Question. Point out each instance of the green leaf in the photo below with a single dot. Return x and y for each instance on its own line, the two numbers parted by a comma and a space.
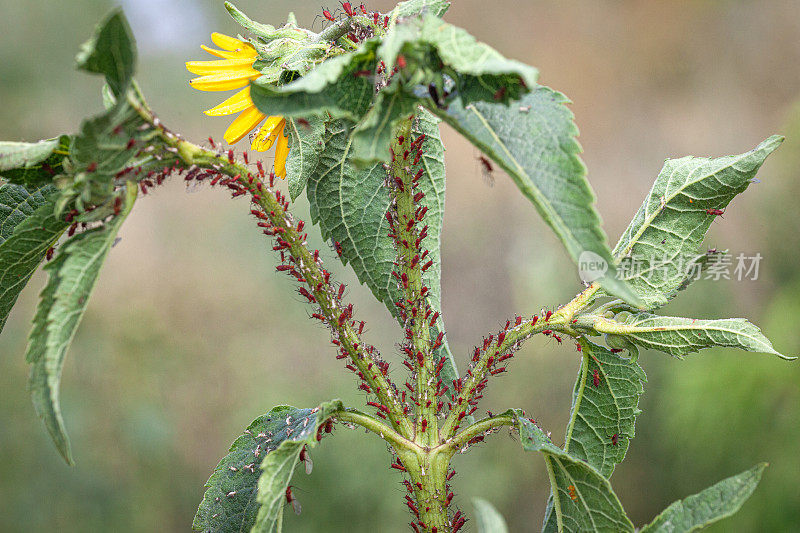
349, 205
33, 164
603, 410
679, 336
258, 468
73, 274
417, 7
111, 52
335, 87
372, 136
488, 518
660, 245
590, 505
534, 142
306, 144
278, 466
431, 46
711, 505
28, 227
261, 30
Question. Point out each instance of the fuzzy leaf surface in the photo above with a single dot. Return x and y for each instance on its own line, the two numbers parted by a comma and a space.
33, 164
603, 410
533, 140
595, 507
711, 505
268, 449
489, 519
335, 87
306, 144
416, 7
111, 52
28, 228
349, 204
679, 336
659, 247
72, 277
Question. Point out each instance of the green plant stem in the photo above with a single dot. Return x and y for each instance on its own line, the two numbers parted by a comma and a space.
477, 429
398, 441
263, 197
410, 269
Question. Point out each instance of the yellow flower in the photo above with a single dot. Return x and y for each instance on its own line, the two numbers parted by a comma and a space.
235, 71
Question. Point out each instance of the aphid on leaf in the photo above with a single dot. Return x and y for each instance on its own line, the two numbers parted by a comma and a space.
572, 494
50, 252
348, 9
615, 439
499, 94
305, 457
433, 91
715, 212
291, 499
596, 378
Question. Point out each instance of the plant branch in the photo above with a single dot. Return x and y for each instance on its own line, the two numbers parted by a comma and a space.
272, 209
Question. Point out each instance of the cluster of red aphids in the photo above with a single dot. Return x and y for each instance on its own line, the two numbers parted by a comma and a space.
408, 231
359, 33
457, 521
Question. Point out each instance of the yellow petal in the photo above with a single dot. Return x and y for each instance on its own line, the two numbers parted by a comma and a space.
225, 65
224, 81
238, 102
267, 134
248, 51
281, 152
227, 43
244, 124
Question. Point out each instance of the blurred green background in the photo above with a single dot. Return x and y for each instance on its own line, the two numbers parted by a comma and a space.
190, 335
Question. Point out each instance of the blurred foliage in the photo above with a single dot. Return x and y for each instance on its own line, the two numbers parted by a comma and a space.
187, 308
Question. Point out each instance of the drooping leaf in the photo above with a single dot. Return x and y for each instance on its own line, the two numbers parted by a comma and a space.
350, 204
711, 505
234, 494
416, 7
278, 466
488, 518
28, 228
534, 142
306, 143
582, 499
480, 73
373, 135
33, 164
73, 274
603, 410
338, 86
660, 245
111, 52
679, 336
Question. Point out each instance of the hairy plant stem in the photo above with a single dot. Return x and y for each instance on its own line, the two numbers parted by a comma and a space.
264, 198
410, 269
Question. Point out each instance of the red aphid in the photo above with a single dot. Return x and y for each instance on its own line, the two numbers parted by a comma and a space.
50, 252
291, 499
715, 212
595, 378
401, 61
327, 15
348, 9
615, 439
